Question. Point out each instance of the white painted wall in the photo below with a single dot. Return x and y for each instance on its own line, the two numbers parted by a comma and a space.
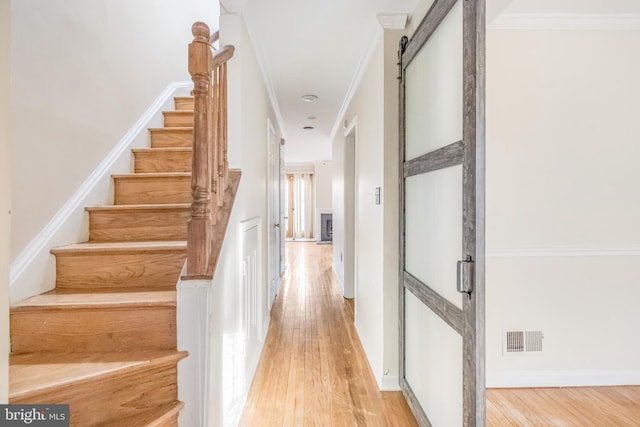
368, 106
562, 206
83, 73
390, 197
5, 193
376, 256
323, 194
233, 357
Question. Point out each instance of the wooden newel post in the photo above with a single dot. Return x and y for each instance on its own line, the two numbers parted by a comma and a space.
199, 225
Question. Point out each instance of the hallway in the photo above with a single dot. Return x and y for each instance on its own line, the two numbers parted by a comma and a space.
313, 370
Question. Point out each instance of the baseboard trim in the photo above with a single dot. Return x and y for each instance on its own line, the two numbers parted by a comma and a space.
41, 241
338, 278
389, 383
523, 379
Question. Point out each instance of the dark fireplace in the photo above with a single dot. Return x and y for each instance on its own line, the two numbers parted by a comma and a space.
326, 227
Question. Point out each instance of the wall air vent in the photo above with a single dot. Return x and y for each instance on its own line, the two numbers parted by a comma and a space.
522, 341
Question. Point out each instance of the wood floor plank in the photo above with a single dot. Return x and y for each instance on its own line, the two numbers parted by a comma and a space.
313, 371
564, 407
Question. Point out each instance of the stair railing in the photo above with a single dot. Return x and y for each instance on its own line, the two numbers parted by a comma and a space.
210, 166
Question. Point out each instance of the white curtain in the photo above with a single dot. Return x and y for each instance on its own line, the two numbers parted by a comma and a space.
302, 206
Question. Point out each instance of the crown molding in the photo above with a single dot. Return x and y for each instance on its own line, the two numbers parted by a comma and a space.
266, 78
233, 6
365, 59
393, 21
570, 22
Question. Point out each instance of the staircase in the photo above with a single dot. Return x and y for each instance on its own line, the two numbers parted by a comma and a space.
104, 340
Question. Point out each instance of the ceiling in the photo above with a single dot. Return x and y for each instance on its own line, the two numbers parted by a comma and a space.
316, 47
313, 47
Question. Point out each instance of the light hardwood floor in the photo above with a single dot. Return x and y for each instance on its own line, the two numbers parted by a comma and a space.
313, 371
560, 407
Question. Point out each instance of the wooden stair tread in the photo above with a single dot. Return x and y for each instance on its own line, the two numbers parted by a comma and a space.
155, 417
116, 247
178, 112
123, 300
114, 290
163, 150
133, 208
152, 175
172, 129
36, 372
184, 98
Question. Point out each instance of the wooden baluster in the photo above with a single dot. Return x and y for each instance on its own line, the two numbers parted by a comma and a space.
221, 125
218, 189
199, 225
219, 140
225, 140
213, 152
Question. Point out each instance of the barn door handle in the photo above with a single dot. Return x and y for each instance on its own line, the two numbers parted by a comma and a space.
464, 276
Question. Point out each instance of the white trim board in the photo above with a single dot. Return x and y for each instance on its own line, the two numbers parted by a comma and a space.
582, 378
338, 278
565, 22
390, 383
38, 248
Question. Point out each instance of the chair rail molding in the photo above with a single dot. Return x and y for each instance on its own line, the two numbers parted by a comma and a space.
561, 252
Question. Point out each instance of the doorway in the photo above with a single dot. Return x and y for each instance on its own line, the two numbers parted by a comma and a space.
274, 209
350, 193
300, 206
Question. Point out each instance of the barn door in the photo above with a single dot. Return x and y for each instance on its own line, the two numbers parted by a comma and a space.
442, 217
